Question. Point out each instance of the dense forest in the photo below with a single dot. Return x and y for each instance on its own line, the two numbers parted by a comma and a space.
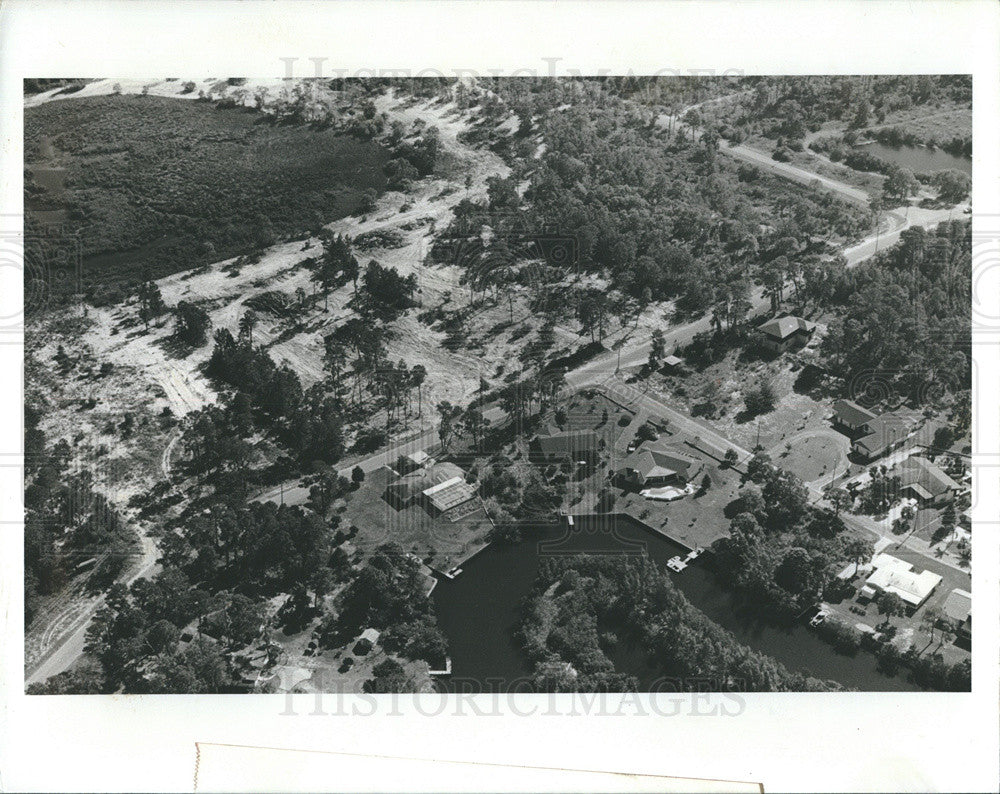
586, 604
904, 318
165, 185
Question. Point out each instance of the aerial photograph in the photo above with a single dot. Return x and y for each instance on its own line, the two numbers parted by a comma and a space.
497, 384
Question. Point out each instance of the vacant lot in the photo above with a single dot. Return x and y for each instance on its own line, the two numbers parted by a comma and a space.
154, 182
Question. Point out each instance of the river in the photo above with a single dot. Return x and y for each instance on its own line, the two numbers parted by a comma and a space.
480, 611
918, 159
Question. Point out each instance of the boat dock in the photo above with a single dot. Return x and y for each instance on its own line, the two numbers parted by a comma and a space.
678, 563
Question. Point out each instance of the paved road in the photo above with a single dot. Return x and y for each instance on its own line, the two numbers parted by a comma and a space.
794, 173
70, 646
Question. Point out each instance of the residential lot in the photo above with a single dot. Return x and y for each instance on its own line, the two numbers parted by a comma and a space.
435, 539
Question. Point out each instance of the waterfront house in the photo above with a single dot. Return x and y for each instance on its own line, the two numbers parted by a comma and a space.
654, 465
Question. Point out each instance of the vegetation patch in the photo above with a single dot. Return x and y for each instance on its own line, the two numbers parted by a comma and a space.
166, 185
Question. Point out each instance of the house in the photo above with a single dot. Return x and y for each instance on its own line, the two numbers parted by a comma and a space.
576, 446
448, 496
784, 333
654, 465
957, 609
851, 416
885, 433
892, 575
366, 641
926, 482
413, 461
671, 363
423, 487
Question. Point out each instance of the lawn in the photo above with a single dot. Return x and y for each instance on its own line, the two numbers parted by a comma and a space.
813, 454
165, 184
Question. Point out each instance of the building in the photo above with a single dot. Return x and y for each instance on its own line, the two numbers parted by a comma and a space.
957, 610
885, 433
892, 575
366, 641
671, 363
654, 465
576, 446
448, 496
440, 489
926, 482
784, 333
413, 461
851, 416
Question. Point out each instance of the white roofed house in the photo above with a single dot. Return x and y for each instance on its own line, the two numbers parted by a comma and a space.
448, 495
784, 333
892, 575
441, 489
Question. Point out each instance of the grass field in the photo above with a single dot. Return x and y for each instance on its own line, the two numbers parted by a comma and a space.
159, 183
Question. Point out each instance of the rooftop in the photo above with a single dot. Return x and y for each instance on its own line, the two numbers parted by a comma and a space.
449, 494
652, 460
885, 431
925, 478
568, 442
850, 412
958, 605
892, 575
783, 327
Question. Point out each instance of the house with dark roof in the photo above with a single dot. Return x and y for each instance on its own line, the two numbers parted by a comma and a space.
784, 333
575, 446
885, 433
851, 416
653, 465
926, 482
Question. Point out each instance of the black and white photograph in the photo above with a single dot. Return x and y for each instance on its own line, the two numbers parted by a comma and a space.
575, 385
577, 396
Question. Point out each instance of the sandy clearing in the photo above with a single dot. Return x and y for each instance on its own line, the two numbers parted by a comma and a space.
116, 335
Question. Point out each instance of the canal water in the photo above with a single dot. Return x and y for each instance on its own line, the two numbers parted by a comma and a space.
917, 158
480, 611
